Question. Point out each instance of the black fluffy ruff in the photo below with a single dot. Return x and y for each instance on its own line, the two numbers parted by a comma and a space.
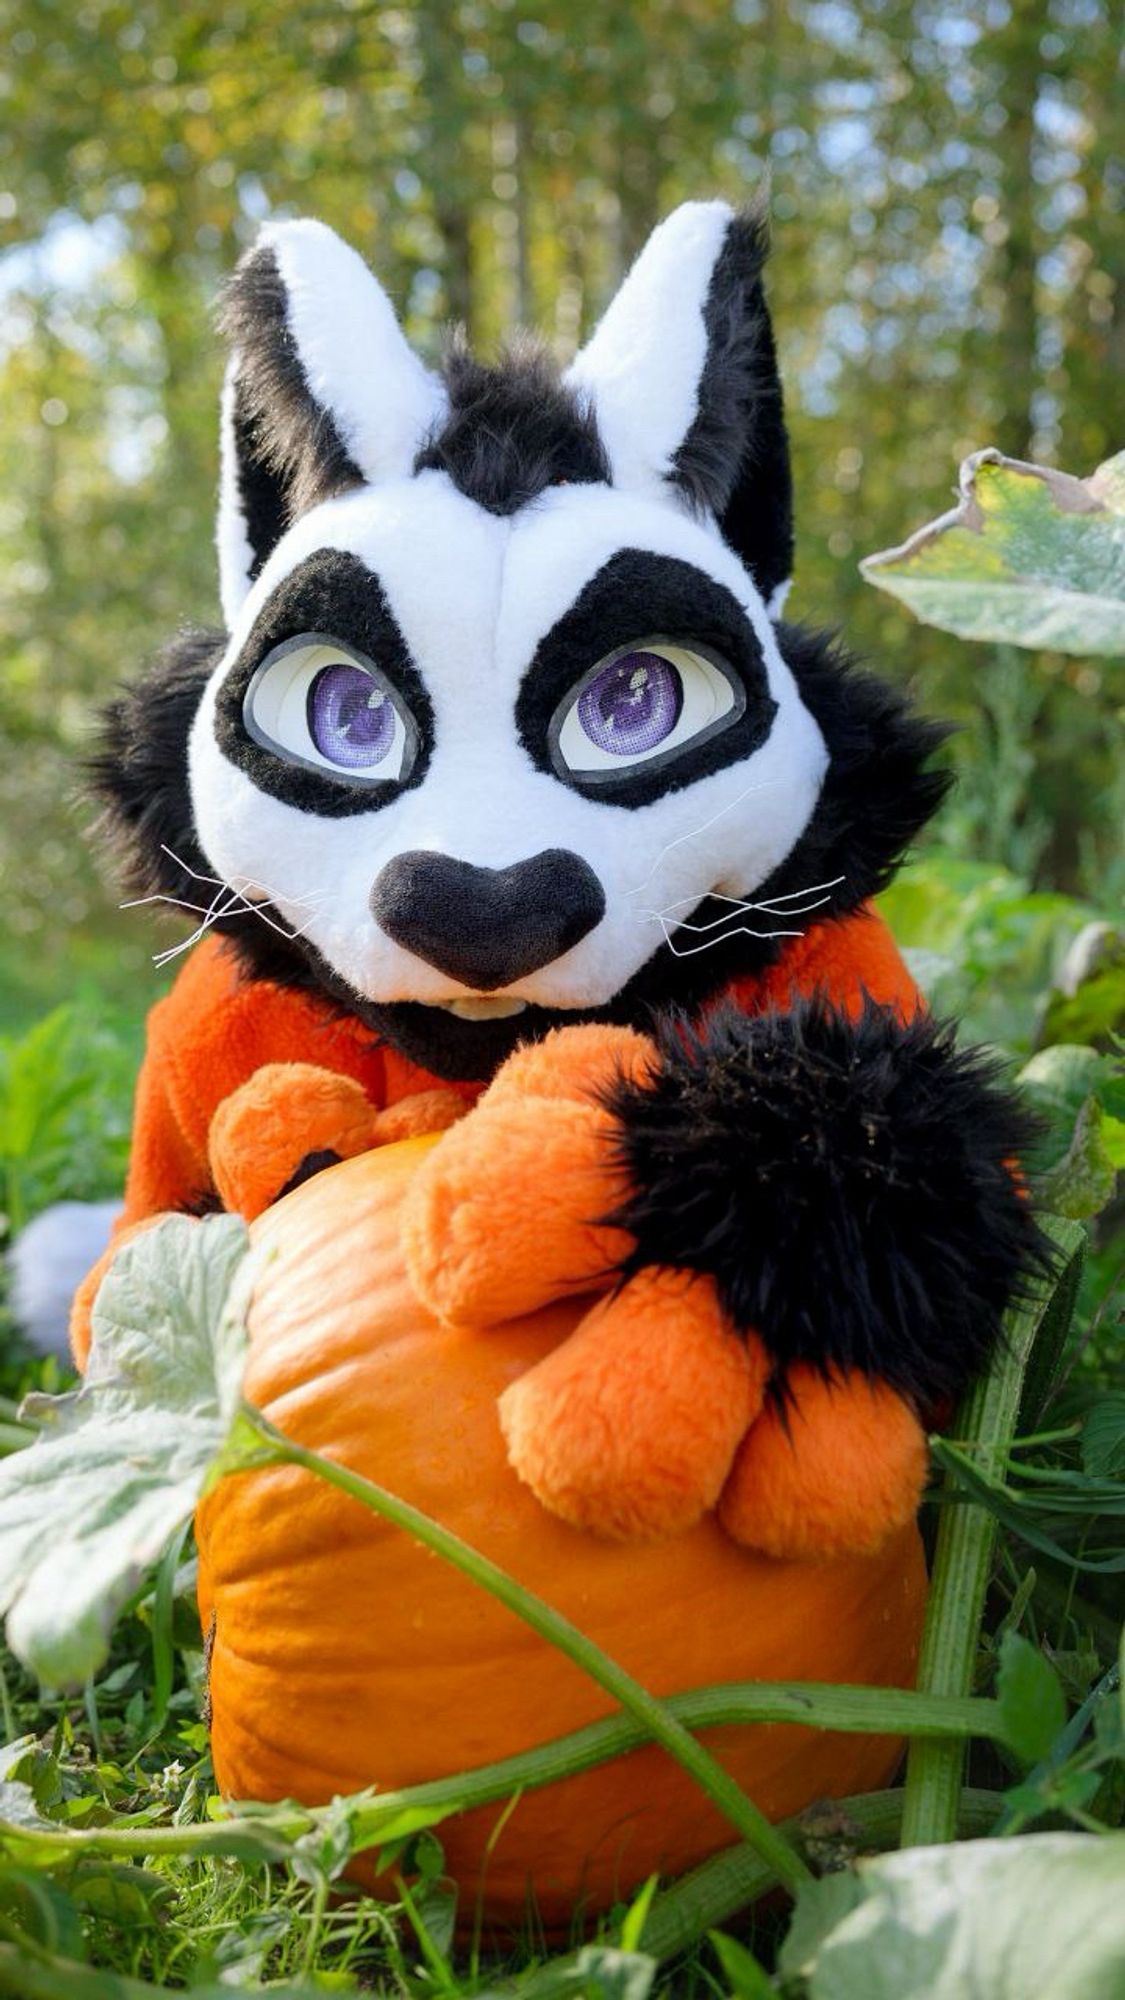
139, 771
846, 1185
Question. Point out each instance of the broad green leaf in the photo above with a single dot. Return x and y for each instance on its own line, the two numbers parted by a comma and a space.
821, 1905
998, 1919
1059, 1082
1103, 1436
1088, 1002
1029, 557
120, 1462
1032, 1705
41, 1909
1082, 1183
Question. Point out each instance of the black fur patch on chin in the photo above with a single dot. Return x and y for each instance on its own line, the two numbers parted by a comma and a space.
512, 430
734, 460
139, 770
846, 1185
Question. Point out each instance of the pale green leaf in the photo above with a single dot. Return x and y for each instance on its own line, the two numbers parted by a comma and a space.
997, 1919
1029, 557
120, 1462
1103, 1436
821, 1905
1082, 1183
602, 1972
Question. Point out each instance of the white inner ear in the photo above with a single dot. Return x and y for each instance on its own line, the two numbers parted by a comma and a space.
356, 360
642, 366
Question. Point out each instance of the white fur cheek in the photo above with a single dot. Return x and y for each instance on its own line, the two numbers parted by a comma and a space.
724, 835
312, 870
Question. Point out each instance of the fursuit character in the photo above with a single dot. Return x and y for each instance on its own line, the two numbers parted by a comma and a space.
514, 810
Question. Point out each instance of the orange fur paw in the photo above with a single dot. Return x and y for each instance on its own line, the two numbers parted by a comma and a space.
837, 1474
423, 1111
629, 1428
263, 1131
502, 1217
573, 1063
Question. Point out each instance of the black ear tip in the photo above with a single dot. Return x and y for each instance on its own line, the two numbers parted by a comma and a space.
751, 225
252, 296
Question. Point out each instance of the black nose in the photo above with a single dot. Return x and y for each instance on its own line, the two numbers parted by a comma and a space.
487, 927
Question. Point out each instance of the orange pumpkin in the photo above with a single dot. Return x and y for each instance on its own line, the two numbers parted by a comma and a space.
345, 1655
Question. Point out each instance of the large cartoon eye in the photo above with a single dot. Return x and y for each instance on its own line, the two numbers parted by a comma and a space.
318, 703
644, 701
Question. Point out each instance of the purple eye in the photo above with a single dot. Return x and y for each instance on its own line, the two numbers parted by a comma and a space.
632, 704
351, 718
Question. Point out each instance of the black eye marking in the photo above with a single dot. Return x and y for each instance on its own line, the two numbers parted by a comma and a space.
330, 593
676, 606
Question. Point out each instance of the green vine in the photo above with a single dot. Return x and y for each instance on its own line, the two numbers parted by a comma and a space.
966, 1536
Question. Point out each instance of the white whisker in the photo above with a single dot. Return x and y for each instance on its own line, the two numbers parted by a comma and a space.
177, 902
229, 900
213, 880
815, 897
750, 792
742, 930
241, 883
211, 916
814, 889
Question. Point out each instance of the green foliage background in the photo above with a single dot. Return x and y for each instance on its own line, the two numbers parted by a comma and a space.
948, 186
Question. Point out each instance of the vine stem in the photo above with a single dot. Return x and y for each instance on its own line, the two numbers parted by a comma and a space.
809, 1704
966, 1536
653, 1716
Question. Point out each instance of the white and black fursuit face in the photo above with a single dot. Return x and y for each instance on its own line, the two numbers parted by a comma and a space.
507, 719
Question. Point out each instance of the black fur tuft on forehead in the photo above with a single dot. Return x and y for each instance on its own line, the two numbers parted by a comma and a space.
290, 453
512, 430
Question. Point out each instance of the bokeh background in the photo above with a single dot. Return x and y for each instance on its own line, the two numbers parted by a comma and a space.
948, 193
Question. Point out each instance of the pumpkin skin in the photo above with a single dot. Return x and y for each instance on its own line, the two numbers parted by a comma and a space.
345, 1655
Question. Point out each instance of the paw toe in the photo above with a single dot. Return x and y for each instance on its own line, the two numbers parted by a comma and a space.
629, 1428
838, 1471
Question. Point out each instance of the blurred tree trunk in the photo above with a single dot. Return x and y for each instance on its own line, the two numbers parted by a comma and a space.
446, 163
1093, 362
1017, 58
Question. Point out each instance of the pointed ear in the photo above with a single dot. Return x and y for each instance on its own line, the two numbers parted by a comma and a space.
322, 393
682, 376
